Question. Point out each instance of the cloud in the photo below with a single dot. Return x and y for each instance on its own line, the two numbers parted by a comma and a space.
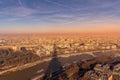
20, 2
59, 4
60, 12
17, 12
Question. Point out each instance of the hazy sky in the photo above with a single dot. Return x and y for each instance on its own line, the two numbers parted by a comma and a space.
59, 15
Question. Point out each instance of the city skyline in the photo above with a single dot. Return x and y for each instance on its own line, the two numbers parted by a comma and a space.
59, 16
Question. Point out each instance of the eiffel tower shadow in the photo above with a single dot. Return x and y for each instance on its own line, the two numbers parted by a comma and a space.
54, 68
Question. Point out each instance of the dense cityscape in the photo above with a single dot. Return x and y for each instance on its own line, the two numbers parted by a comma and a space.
59, 39
101, 55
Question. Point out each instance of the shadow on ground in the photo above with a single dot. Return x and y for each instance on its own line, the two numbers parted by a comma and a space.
54, 67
